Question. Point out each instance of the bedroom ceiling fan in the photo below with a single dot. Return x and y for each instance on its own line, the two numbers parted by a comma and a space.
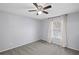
40, 9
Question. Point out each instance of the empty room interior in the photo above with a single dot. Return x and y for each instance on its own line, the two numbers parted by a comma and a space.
39, 28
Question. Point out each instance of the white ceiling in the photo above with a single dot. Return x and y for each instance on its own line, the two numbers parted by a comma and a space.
56, 10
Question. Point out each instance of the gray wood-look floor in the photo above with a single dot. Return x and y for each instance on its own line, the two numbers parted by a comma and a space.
40, 48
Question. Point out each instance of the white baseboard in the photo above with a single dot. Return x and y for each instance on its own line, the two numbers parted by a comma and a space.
17, 46
73, 48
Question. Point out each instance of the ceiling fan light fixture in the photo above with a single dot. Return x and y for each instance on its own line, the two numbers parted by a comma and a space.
40, 9
39, 12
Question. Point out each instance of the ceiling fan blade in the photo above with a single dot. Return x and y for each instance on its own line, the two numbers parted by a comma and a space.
36, 5
31, 10
47, 7
45, 12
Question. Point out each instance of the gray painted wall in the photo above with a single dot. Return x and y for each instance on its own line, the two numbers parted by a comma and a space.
17, 30
44, 30
73, 31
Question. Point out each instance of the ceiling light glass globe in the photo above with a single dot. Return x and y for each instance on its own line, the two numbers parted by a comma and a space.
39, 12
